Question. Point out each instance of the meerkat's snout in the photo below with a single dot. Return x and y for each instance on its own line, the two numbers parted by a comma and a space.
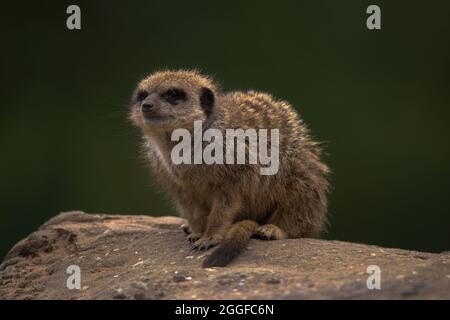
151, 110
147, 108
148, 105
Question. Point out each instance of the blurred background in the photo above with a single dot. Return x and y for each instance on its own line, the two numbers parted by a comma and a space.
379, 99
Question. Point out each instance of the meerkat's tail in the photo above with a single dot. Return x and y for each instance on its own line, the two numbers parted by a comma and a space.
235, 241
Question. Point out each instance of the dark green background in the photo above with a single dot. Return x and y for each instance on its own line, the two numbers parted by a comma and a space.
379, 99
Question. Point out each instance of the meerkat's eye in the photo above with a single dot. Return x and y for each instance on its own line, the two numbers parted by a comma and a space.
141, 95
174, 95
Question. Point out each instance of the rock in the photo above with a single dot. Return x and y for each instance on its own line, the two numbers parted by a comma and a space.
142, 257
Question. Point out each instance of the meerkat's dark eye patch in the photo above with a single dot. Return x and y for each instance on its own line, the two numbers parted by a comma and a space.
207, 100
174, 95
141, 95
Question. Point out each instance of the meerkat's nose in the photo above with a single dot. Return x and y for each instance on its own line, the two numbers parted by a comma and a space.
147, 107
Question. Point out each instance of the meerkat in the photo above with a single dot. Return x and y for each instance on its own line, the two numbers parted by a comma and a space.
227, 205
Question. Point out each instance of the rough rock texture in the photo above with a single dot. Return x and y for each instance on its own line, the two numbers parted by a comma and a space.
142, 257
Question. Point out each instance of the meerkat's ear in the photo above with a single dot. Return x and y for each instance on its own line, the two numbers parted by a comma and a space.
206, 100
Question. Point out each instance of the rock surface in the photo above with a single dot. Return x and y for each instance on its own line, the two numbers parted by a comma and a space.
142, 257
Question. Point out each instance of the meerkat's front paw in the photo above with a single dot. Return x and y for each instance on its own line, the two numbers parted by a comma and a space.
193, 237
186, 228
204, 243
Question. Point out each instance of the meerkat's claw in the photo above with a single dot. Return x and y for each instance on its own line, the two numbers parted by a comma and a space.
192, 238
204, 244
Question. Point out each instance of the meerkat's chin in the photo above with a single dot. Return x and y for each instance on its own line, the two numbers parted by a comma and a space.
156, 120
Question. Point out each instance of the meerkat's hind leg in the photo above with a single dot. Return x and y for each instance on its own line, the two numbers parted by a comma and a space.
269, 232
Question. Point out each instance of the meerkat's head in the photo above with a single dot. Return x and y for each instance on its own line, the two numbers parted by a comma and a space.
172, 99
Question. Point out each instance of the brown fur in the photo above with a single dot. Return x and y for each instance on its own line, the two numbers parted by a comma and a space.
229, 203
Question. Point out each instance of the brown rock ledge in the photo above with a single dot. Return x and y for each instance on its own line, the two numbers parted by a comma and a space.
143, 257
